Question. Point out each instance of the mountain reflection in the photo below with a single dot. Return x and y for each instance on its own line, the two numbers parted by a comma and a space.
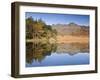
36, 52
73, 48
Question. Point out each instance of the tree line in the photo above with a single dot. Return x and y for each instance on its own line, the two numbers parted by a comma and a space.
39, 29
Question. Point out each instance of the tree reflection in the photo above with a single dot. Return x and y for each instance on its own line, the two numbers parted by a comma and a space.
36, 52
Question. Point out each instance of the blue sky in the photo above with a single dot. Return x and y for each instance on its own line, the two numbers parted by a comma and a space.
51, 18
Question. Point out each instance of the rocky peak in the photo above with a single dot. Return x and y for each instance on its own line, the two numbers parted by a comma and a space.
72, 24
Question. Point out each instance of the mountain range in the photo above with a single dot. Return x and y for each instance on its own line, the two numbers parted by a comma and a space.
71, 29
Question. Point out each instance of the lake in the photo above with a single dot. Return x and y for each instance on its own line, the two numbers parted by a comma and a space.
47, 54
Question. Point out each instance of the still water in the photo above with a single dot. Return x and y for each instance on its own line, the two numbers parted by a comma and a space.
38, 54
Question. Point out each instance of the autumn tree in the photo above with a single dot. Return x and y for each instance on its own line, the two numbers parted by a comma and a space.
38, 29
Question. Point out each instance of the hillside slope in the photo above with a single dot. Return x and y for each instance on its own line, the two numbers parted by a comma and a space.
71, 29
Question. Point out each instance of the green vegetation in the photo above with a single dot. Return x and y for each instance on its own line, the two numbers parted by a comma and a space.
37, 29
40, 40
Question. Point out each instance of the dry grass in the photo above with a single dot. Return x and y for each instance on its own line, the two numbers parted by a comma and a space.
72, 39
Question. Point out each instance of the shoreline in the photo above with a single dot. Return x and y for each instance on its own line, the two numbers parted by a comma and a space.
72, 39
62, 39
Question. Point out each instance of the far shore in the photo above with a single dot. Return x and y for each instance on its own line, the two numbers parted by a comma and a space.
72, 39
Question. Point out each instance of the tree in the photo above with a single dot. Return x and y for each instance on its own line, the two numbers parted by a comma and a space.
38, 29
29, 29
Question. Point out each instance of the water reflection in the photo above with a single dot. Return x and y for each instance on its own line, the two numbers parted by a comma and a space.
37, 53
73, 48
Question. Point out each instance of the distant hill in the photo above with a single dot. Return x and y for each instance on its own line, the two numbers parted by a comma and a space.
71, 29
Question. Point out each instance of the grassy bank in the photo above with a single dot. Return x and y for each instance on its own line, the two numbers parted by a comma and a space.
72, 39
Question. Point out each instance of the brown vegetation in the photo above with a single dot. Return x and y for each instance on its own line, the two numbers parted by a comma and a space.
72, 39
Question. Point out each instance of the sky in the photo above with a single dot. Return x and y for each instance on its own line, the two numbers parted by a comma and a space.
53, 18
